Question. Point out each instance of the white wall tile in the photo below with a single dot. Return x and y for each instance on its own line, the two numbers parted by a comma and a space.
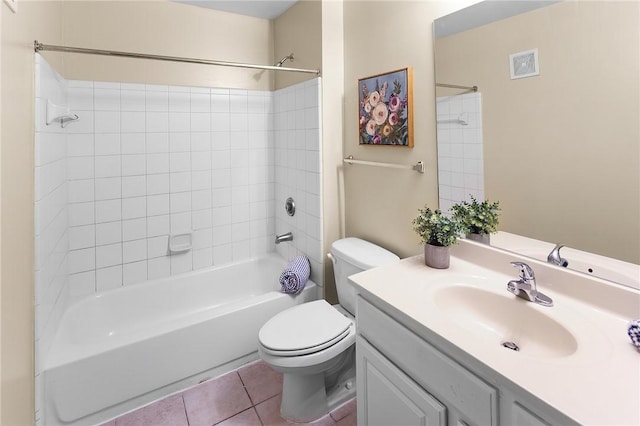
82, 260
158, 225
108, 233
132, 100
134, 229
134, 207
134, 251
107, 144
159, 268
108, 211
157, 143
81, 214
134, 186
109, 255
135, 272
109, 278
107, 121
157, 163
133, 121
133, 143
80, 145
157, 122
80, 190
157, 246
158, 184
108, 166
80, 168
108, 188
158, 205
82, 237
181, 263
134, 164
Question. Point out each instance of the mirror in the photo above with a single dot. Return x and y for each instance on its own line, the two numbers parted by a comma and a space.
553, 130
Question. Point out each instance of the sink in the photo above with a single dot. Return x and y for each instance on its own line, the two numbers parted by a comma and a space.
506, 319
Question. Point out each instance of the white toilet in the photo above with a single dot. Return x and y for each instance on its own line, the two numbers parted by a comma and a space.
312, 344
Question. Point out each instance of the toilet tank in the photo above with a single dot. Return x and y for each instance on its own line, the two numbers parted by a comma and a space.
353, 255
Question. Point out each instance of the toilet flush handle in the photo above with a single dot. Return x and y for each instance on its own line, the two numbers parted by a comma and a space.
333, 259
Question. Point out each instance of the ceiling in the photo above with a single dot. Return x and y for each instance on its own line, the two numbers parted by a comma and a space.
266, 9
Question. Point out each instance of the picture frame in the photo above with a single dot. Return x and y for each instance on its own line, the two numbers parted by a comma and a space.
524, 64
385, 109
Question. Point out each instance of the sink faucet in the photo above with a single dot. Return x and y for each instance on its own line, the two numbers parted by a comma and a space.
284, 237
525, 287
555, 258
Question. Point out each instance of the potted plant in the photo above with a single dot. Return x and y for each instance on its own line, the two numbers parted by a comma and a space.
438, 232
478, 220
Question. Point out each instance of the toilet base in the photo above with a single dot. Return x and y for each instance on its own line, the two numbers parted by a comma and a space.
303, 403
306, 398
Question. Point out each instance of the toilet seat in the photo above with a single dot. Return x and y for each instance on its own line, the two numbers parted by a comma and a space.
304, 329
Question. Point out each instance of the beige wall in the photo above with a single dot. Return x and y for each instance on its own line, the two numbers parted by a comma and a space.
299, 31
332, 116
381, 36
167, 28
34, 20
564, 167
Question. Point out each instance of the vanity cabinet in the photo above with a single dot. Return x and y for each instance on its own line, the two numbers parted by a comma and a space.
403, 379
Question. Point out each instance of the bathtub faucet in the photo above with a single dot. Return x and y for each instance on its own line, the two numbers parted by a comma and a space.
284, 237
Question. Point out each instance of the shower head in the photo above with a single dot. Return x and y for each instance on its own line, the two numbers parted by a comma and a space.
283, 60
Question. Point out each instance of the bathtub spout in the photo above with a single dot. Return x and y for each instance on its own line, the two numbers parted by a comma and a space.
284, 237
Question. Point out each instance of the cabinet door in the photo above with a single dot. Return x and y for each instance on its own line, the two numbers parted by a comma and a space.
386, 396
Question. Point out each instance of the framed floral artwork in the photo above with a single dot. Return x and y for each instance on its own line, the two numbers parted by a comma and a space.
385, 109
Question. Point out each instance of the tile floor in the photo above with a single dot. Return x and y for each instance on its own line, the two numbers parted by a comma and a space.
247, 396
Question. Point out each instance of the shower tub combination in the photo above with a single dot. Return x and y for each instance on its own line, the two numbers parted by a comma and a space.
122, 349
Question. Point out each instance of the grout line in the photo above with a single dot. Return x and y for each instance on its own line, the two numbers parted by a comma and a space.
184, 407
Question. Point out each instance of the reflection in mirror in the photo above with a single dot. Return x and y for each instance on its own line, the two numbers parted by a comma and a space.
560, 148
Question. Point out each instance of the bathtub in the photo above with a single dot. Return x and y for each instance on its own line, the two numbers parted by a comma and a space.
121, 349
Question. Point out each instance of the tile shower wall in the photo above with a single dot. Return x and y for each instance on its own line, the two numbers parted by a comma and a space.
50, 218
297, 171
460, 159
154, 161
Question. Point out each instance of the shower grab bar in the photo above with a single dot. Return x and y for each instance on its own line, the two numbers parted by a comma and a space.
418, 167
39, 47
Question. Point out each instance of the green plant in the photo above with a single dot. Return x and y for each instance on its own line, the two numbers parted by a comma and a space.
435, 228
477, 218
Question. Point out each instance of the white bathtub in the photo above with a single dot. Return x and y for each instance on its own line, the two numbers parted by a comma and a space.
124, 348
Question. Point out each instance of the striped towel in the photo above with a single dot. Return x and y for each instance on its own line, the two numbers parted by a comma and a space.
634, 332
295, 275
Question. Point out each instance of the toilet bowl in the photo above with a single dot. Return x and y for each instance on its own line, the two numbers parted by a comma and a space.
313, 344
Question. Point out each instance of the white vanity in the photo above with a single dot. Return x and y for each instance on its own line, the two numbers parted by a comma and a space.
430, 345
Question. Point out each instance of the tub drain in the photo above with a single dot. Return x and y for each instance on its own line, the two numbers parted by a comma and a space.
511, 345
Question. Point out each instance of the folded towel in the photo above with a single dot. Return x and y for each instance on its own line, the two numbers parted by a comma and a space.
634, 332
295, 275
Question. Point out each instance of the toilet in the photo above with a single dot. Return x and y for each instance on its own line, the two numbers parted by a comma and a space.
313, 344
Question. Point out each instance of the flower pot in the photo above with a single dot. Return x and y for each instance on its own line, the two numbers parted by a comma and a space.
481, 238
436, 256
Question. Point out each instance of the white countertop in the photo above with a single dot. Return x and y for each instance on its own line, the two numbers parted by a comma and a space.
597, 384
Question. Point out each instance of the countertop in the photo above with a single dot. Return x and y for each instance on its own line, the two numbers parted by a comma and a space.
597, 384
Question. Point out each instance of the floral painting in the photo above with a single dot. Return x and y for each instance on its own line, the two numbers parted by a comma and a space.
385, 109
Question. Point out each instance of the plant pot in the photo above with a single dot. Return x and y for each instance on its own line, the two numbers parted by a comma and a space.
481, 238
436, 256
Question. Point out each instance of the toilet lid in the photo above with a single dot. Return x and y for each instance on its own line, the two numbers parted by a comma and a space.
305, 328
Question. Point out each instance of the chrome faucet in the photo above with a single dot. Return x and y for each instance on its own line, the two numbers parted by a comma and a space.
525, 287
284, 237
555, 258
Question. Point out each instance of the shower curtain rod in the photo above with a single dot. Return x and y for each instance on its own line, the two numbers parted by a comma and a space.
456, 86
39, 47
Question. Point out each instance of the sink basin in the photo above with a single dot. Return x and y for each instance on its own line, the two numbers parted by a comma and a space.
506, 318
